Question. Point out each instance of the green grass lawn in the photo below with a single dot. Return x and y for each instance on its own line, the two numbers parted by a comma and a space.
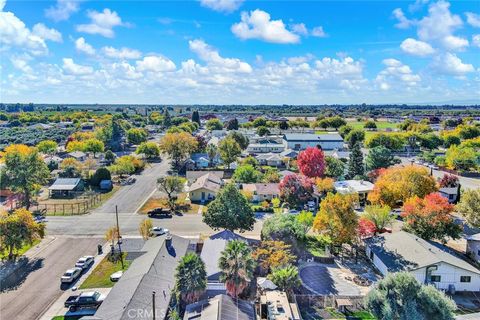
21, 251
363, 315
381, 125
314, 247
100, 277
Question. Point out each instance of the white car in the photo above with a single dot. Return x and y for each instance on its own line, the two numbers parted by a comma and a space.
114, 277
433, 166
158, 231
84, 262
71, 275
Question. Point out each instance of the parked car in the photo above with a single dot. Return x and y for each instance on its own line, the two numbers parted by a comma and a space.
114, 277
71, 275
84, 262
158, 231
131, 180
433, 166
91, 299
160, 212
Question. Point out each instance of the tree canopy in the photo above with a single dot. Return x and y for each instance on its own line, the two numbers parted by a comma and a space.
311, 162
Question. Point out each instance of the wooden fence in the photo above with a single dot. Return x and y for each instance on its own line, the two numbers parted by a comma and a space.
77, 206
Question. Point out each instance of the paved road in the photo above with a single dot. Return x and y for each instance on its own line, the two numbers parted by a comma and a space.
36, 286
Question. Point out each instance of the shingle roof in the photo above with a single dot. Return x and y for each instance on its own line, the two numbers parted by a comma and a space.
313, 137
220, 307
262, 188
208, 181
405, 251
153, 271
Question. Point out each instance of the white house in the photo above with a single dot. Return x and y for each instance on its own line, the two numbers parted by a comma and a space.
360, 187
270, 159
301, 141
254, 148
428, 263
473, 246
451, 194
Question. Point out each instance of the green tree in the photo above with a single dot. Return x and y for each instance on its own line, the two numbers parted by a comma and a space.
24, 171
401, 296
392, 141
214, 124
196, 117
286, 278
461, 158
283, 227
18, 229
305, 219
190, 278
99, 175
370, 125
178, 146
239, 138
469, 207
355, 162
136, 135
232, 124
229, 150
94, 146
110, 156
230, 210
212, 153
379, 215
172, 186
246, 174
430, 141
259, 122
263, 131
380, 157
149, 149
355, 136
334, 167
47, 146
237, 265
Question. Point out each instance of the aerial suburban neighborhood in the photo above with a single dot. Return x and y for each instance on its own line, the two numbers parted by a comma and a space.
239, 160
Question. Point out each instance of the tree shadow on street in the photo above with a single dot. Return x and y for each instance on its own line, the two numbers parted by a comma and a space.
14, 280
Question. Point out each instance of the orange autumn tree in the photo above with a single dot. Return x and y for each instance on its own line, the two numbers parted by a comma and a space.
396, 185
272, 254
337, 218
430, 218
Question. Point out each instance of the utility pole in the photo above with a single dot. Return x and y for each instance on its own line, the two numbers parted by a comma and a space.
153, 305
119, 239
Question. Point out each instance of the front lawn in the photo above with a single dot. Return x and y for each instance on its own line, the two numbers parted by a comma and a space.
362, 315
21, 251
315, 246
100, 277
154, 203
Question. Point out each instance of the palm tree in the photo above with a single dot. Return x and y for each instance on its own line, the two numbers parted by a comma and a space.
190, 278
212, 153
286, 278
237, 267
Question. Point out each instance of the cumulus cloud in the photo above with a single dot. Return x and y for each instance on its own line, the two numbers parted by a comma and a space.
450, 64
403, 22
396, 74
155, 64
62, 10
122, 53
212, 57
21, 63
101, 23
70, 67
222, 5
258, 25
45, 33
300, 28
476, 40
454, 43
82, 46
318, 32
473, 19
416, 47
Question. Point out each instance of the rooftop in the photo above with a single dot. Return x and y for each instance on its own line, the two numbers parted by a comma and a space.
220, 307
65, 184
351, 186
208, 181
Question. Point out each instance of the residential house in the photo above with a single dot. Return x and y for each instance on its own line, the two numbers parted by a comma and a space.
66, 187
429, 263
289, 153
262, 191
270, 159
205, 188
473, 246
255, 148
154, 270
360, 187
274, 305
301, 141
77, 155
193, 175
220, 307
202, 160
451, 194
211, 252
285, 173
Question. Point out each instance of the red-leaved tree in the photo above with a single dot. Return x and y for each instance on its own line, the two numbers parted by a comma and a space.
448, 181
366, 228
295, 190
311, 162
430, 217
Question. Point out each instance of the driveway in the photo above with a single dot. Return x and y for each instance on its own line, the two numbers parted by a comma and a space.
32, 289
327, 279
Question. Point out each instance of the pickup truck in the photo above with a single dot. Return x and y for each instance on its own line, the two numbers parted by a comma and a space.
91, 299
160, 212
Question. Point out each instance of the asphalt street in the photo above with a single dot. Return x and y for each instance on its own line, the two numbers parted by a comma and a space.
33, 288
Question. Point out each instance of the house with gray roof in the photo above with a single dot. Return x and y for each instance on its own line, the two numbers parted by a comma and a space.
205, 188
220, 307
66, 187
301, 141
428, 262
154, 270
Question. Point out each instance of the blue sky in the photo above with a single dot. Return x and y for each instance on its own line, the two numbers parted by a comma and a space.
239, 51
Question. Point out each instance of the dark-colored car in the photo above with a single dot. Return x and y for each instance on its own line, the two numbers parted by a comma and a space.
91, 299
160, 212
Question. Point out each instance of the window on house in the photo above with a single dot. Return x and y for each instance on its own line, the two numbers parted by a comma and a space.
465, 279
435, 278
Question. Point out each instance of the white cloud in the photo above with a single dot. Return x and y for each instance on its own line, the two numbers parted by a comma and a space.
222, 5
45, 33
397, 75
155, 64
403, 22
82, 46
257, 25
75, 69
450, 64
476, 40
454, 43
101, 23
416, 47
473, 19
212, 57
14, 33
318, 32
300, 28
21, 64
62, 10
122, 53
